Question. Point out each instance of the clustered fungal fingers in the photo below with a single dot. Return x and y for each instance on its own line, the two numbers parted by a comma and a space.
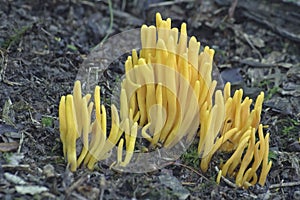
86, 120
72, 133
77, 99
246, 160
100, 144
240, 139
130, 144
120, 152
205, 121
63, 123
207, 158
167, 96
266, 166
164, 58
114, 135
233, 161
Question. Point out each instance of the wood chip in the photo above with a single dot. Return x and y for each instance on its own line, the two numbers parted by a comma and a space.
8, 146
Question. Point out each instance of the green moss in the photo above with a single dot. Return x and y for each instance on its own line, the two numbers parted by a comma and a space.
290, 127
47, 121
15, 37
191, 157
273, 156
271, 92
72, 47
271, 89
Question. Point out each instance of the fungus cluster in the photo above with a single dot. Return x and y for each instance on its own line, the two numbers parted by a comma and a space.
167, 83
167, 96
236, 131
75, 119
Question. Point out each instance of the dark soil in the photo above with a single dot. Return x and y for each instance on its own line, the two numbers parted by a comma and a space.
42, 45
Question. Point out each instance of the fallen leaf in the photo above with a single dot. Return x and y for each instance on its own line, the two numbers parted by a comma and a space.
14, 159
31, 189
258, 42
14, 179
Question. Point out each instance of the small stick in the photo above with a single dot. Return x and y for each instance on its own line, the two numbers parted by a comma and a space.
24, 167
289, 184
226, 180
76, 184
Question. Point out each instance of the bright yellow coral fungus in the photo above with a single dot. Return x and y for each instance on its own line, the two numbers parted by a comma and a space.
237, 134
74, 123
167, 96
230, 117
98, 147
167, 82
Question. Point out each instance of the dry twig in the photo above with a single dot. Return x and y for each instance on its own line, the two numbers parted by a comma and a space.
280, 185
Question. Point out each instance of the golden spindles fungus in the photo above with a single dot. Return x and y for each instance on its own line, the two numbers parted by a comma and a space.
166, 95
99, 146
185, 76
240, 125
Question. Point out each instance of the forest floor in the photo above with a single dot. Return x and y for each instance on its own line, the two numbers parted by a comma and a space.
42, 47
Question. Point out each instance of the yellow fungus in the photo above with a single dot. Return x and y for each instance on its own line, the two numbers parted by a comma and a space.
166, 95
